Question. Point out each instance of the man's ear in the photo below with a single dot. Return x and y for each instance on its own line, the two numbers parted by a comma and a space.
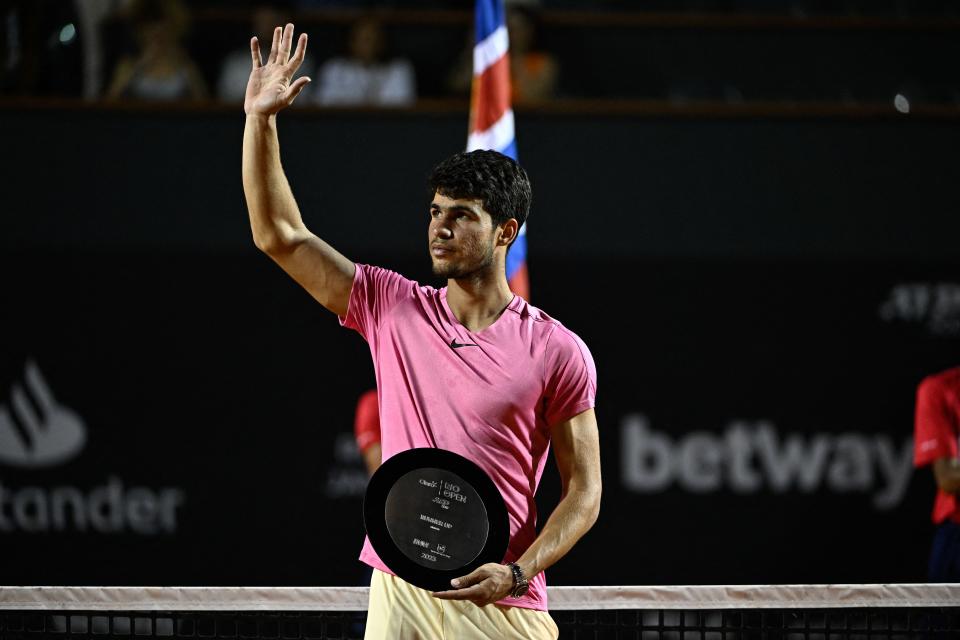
508, 232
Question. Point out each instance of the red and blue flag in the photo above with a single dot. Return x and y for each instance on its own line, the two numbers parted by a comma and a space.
491, 114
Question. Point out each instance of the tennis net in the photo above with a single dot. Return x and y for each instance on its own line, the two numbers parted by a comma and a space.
773, 612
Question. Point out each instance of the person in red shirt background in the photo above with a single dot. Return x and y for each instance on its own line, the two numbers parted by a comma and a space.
937, 443
366, 429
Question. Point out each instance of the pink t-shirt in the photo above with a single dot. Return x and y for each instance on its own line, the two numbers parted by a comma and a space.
492, 400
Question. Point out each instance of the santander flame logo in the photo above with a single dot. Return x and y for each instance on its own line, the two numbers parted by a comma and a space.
35, 430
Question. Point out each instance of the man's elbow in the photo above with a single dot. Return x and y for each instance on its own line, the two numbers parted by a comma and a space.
590, 504
275, 243
270, 244
595, 512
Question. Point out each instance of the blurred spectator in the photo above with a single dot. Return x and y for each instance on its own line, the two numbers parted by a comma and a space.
366, 429
325, 4
162, 69
534, 73
235, 69
92, 15
936, 438
365, 77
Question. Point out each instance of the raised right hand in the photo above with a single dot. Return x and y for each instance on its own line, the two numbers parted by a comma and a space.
269, 89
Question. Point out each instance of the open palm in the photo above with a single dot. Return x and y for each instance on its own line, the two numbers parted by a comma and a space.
269, 88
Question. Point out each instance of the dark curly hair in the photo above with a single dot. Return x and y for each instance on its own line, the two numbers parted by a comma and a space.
498, 182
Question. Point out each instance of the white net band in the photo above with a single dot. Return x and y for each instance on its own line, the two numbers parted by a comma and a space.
560, 598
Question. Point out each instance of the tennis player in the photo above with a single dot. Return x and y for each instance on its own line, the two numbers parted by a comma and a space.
470, 368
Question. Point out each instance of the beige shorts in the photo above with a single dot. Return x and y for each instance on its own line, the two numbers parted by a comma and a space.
401, 611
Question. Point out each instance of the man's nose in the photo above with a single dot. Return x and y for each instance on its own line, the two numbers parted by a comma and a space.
441, 231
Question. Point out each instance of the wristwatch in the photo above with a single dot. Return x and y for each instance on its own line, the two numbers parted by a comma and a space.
520, 584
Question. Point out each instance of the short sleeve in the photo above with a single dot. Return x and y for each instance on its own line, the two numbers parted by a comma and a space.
374, 293
570, 377
935, 427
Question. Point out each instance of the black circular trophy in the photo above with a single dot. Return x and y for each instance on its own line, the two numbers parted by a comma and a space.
432, 515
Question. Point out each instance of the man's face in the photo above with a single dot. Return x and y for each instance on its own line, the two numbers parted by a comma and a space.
461, 237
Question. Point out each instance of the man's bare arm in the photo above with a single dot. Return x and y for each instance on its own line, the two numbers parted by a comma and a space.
275, 220
576, 447
947, 473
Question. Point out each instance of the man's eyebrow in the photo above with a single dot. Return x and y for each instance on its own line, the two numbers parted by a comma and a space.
456, 207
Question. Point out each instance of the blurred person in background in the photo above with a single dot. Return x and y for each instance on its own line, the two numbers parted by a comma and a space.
162, 70
333, 4
92, 17
937, 443
235, 68
366, 76
534, 72
366, 428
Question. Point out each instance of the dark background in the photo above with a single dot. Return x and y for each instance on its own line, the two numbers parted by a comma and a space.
798, 271
748, 210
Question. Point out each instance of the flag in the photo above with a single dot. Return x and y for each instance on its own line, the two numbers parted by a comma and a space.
491, 115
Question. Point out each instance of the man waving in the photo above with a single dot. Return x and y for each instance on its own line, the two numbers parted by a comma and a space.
470, 368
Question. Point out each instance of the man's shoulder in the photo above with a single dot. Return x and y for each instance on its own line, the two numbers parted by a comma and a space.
943, 382
383, 276
525, 310
552, 328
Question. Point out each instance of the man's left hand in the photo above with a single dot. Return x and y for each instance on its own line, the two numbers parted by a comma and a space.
487, 584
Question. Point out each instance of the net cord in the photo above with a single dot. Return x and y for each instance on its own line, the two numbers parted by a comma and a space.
821, 596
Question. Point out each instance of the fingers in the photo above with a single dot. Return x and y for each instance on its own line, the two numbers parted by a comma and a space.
301, 51
294, 89
280, 49
472, 578
285, 44
255, 52
468, 587
275, 47
475, 593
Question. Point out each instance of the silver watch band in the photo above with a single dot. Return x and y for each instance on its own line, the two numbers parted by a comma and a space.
520, 584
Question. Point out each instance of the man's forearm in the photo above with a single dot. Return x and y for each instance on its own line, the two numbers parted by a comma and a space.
575, 514
274, 216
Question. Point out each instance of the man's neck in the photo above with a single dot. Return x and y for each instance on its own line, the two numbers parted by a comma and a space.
478, 304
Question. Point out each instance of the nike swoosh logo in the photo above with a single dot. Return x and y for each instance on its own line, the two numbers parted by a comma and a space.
456, 345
